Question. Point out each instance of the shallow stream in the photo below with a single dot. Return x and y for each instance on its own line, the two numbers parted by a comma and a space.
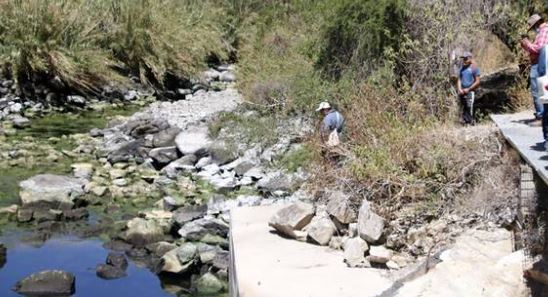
65, 252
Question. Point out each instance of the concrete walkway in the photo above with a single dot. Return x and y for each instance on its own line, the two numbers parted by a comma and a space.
527, 140
267, 265
480, 264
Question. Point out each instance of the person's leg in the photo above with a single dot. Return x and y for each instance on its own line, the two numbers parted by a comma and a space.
545, 127
467, 109
535, 91
471, 96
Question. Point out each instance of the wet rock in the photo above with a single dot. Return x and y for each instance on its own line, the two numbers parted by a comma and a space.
3, 254
320, 230
47, 283
76, 214
118, 246
186, 214
137, 253
117, 260
291, 218
164, 155
54, 190
159, 249
141, 232
180, 259
193, 141
106, 271
379, 254
44, 215
339, 207
24, 215
354, 252
370, 225
195, 230
208, 284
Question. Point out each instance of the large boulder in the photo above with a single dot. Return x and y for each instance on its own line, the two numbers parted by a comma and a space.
106, 271
339, 207
292, 218
141, 232
47, 283
179, 260
164, 155
321, 229
379, 254
56, 191
370, 224
196, 230
186, 214
166, 137
193, 141
354, 252
139, 128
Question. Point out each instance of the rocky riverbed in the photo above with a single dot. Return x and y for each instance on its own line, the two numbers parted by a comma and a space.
155, 187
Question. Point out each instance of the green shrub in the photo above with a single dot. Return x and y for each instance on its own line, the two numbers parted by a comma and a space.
89, 43
358, 33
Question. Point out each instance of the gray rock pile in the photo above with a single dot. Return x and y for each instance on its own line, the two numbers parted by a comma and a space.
336, 225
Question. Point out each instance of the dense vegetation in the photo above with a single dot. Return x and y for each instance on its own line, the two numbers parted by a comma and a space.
384, 63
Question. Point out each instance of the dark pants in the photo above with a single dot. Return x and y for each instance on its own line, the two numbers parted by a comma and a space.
467, 102
545, 123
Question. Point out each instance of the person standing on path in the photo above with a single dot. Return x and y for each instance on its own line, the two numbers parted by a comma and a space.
536, 23
468, 81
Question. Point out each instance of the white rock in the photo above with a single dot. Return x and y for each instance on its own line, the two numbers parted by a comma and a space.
370, 225
193, 141
354, 252
293, 217
379, 254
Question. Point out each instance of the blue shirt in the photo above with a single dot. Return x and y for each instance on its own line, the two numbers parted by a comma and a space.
333, 120
468, 75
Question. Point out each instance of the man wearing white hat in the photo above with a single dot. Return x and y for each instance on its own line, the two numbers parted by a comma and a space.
332, 124
536, 23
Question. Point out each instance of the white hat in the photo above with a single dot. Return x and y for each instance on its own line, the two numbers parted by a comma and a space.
323, 105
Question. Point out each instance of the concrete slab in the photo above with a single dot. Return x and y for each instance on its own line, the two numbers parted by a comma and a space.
480, 264
527, 140
267, 265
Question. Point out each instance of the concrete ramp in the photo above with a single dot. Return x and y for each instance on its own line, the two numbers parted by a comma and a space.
267, 265
527, 140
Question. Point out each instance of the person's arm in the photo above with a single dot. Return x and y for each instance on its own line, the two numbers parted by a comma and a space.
540, 40
459, 89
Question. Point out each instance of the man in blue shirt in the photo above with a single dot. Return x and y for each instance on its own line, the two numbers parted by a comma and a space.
332, 120
469, 80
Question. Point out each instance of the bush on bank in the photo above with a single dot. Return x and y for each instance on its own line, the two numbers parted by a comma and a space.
89, 43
